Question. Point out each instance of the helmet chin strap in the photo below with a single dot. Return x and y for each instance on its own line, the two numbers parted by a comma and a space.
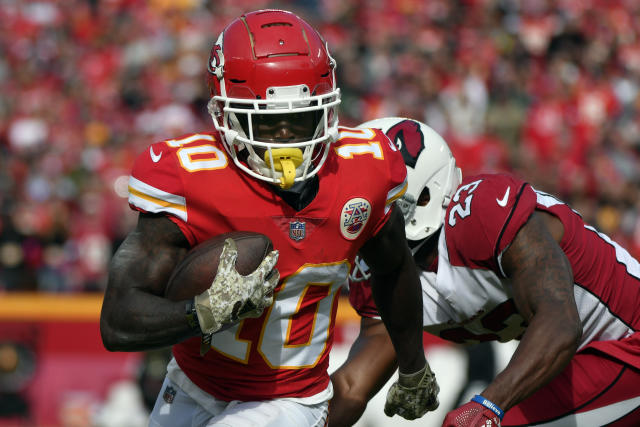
286, 161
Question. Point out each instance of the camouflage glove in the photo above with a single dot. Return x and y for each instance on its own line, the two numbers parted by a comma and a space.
232, 297
413, 395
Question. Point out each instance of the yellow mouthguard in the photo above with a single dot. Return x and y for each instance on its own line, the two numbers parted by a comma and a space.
285, 160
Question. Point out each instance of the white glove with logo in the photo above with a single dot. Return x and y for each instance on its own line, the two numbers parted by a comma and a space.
413, 395
232, 297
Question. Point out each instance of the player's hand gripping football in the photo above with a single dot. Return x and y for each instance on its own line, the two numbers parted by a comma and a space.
413, 395
233, 297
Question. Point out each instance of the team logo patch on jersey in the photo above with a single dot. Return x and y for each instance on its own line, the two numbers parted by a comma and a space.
169, 394
355, 214
297, 230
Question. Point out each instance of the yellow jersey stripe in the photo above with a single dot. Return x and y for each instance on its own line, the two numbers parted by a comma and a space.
156, 201
397, 192
151, 199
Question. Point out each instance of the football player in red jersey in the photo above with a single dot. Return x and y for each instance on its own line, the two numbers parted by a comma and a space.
501, 261
278, 164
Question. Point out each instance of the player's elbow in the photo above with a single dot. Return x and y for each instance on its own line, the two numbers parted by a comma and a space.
569, 334
575, 336
109, 338
345, 411
113, 339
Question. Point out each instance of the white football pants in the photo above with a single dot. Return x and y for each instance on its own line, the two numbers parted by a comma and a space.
175, 408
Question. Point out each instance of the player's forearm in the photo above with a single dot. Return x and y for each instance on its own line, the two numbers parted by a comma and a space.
397, 291
133, 316
398, 297
143, 322
544, 351
542, 283
370, 364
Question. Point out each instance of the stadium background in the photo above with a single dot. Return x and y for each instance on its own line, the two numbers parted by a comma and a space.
548, 90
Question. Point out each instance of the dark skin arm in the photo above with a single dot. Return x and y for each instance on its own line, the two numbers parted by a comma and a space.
135, 315
370, 364
397, 291
543, 292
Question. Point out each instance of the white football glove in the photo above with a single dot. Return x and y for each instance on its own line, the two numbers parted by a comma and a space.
232, 297
413, 395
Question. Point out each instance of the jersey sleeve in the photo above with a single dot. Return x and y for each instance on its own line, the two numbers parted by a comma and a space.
360, 295
397, 173
485, 214
155, 185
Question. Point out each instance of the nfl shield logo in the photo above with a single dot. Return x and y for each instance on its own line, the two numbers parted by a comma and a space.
297, 230
169, 394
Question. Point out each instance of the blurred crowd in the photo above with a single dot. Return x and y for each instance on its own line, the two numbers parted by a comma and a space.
548, 90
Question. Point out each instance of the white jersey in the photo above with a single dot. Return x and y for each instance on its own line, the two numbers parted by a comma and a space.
468, 298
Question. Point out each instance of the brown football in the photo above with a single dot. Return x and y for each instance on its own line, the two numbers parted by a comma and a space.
194, 274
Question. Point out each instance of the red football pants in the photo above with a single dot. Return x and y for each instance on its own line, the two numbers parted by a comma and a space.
593, 390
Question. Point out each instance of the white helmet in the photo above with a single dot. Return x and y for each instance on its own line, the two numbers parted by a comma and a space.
431, 172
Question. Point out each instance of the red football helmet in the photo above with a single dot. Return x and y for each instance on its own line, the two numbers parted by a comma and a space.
267, 67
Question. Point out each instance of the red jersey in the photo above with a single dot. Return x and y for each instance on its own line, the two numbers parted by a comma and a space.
469, 298
283, 353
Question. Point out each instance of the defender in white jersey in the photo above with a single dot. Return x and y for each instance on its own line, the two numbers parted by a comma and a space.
502, 261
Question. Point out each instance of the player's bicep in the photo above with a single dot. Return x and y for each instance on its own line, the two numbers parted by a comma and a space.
147, 256
539, 270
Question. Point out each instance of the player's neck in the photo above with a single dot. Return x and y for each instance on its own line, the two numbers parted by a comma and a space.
301, 194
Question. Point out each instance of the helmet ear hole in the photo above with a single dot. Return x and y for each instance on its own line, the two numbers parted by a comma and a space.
424, 197
432, 175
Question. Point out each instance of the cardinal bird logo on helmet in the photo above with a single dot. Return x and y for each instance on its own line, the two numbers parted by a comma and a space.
409, 139
432, 173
